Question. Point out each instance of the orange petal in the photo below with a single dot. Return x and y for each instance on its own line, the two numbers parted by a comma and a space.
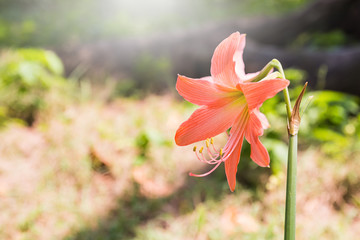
254, 129
257, 92
240, 66
264, 122
232, 148
208, 122
231, 165
226, 55
198, 91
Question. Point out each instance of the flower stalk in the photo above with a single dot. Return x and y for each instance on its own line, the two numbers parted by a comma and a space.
290, 208
293, 119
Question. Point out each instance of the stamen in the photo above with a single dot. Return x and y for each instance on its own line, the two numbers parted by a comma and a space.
212, 144
213, 156
209, 151
200, 159
208, 148
201, 149
207, 173
213, 160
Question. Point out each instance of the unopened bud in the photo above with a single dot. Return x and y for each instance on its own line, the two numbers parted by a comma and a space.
294, 122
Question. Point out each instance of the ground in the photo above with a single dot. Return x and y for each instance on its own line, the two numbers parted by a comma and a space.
98, 170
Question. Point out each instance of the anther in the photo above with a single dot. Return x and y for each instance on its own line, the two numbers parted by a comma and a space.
221, 152
211, 140
201, 149
194, 149
207, 143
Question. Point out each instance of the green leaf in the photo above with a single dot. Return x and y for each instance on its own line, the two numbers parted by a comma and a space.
54, 63
29, 72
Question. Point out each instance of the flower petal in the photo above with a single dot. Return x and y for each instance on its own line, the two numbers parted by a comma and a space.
232, 148
257, 92
254, 129
264, 122
209, 121
240, 66
227, 55
198, 91
231, 165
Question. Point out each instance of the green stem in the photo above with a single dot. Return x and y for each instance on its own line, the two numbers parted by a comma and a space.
263, 73
276, 64
290, 210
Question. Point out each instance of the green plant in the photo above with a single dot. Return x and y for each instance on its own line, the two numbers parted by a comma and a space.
26, 77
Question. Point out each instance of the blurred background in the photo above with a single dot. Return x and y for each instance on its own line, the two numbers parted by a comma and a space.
88, 114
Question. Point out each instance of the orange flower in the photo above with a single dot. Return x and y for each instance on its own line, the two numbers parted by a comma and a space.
228, 99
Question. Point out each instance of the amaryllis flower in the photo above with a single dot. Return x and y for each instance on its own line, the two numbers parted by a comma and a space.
228, 99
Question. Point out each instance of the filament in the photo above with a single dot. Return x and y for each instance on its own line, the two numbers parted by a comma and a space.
207, 173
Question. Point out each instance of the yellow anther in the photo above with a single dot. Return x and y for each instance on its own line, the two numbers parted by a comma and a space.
201, 149
194, 149
207, 143
221, 152
211, 140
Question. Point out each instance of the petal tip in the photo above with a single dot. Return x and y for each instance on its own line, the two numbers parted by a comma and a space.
237, 33
232, 186
177, 139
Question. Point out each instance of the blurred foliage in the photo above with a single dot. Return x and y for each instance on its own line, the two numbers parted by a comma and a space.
272, 7
27, 77
42, 22
323, 40
332, 121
